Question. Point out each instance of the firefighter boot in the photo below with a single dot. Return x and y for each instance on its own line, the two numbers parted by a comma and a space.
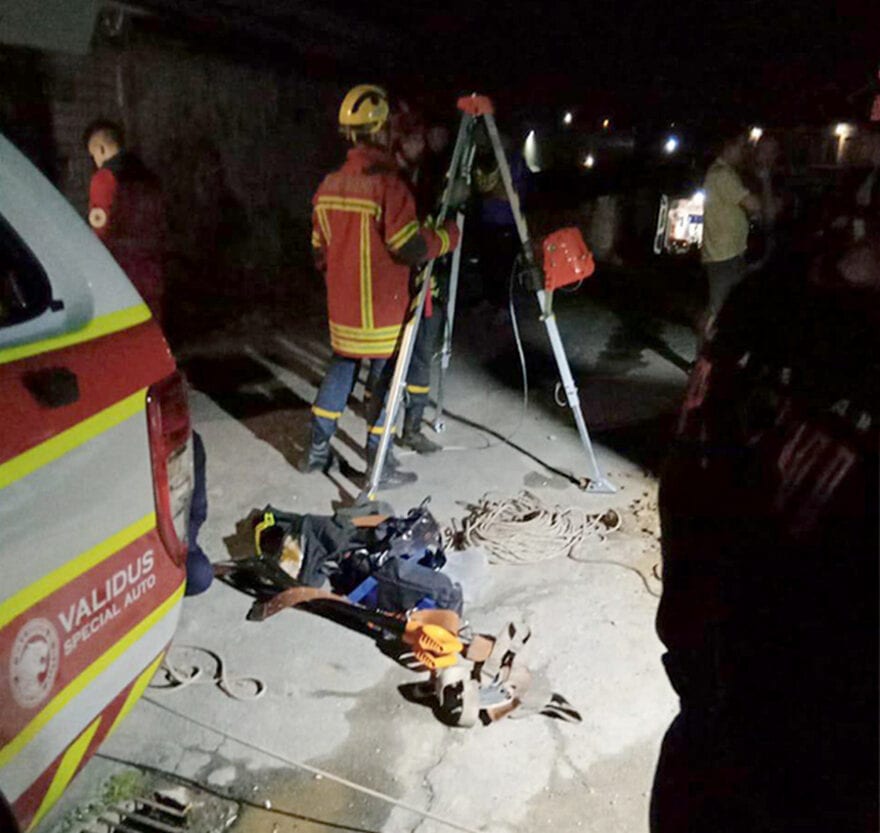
413, 437
391, 476
319, 457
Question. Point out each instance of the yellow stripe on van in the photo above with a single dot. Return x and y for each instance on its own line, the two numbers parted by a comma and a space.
137, 690
66, 770
84, 680
48, 584
103, 325
50, 450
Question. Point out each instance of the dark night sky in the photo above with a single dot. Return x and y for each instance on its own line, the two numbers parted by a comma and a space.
639, 59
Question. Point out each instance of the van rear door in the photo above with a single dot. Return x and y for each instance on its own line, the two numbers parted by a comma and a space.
93, 574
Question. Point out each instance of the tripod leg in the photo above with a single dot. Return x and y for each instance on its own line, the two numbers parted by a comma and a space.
596, 481
395, 391
439, 424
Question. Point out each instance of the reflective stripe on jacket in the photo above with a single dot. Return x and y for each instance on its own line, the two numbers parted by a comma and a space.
366, 235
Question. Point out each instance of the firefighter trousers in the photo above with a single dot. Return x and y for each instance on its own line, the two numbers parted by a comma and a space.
336, 388
418, 380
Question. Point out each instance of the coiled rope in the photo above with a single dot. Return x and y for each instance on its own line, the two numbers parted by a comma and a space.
195, 673
524, 530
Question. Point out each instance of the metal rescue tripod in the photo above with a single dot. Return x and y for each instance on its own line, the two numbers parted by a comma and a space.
566, 260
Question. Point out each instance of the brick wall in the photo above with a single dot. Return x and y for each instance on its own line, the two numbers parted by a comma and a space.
239, 149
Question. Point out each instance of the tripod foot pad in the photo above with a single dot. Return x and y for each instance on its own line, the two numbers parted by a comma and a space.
601, 487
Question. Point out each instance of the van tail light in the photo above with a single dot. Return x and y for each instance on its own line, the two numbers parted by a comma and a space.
172, 457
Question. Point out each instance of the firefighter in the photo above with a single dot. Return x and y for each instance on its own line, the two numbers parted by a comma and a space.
410, 145
127, 212
366, 237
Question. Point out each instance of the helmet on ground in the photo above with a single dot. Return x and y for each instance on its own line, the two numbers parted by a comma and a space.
364, 111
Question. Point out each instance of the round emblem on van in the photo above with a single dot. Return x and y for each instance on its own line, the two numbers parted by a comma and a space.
33, 665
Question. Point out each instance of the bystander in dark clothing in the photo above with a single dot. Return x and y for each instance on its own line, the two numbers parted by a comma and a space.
134, 228
769, 511
422, 165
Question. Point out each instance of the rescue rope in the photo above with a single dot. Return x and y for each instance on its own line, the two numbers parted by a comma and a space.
176, 678
525, 530
321, 773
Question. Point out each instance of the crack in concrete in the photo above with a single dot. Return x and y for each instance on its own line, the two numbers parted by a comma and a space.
562, 751
426, 778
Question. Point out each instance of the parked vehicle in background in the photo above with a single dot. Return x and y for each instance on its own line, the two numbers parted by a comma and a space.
679, 224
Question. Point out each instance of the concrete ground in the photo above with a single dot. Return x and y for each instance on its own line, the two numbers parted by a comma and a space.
332, 698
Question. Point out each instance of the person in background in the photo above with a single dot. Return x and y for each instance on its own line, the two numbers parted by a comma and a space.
408, 145
420, 170
767, 171
499, 243
435, 164
728, 208
127, 212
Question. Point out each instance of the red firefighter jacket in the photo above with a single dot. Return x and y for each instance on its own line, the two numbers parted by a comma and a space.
366, 236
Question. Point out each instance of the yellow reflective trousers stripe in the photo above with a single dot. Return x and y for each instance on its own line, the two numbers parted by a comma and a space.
322, 412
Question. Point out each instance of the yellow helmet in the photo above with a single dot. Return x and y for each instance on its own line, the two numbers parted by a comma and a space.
364, 111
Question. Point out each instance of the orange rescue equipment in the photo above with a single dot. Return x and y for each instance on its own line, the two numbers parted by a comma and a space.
566, 258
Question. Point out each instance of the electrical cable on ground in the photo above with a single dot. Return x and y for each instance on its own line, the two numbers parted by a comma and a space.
312, 769
611, 562
507, 439
234, 687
